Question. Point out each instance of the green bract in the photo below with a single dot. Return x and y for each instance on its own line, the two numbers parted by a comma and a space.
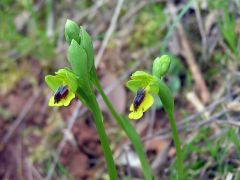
161, 66
141, 80
77, 58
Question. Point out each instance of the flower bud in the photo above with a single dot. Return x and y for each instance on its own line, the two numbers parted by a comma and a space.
72, 31
161, 65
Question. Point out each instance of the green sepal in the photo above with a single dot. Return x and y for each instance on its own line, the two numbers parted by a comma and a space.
161, 66
143, 76
62, 77
141, 79
86, 42
72, 31
53, 82
134, 85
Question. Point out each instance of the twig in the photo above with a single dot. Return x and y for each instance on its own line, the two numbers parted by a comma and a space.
190, 59
29, 172
201, 29
230, 122
161, 157
19, 119
109, 32
191, 127
208, 109
50, 19
137, 7
129, 173
36, 173
90, 11
227, 49
63, 142
174, 24
18, 157
191, 119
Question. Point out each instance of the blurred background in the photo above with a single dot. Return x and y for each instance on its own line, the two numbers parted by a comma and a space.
202, 37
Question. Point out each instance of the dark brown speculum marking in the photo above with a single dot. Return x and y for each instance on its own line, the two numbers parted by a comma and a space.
138, 98
61, 93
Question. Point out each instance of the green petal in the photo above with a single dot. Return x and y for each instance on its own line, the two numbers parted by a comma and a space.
142, 76
141, 79
53, 82
134, 85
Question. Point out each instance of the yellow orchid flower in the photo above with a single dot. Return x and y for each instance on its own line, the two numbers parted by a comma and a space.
64, 86
145, 85
141, 103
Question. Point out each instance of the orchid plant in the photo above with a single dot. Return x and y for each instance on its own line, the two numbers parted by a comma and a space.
81, 80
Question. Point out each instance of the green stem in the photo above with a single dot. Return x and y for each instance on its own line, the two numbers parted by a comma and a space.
129, 130
168, 104
97, 115
177, 145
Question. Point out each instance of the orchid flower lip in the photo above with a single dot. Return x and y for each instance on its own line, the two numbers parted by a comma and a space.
142, 102
62, 97
139, 98
61, 93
